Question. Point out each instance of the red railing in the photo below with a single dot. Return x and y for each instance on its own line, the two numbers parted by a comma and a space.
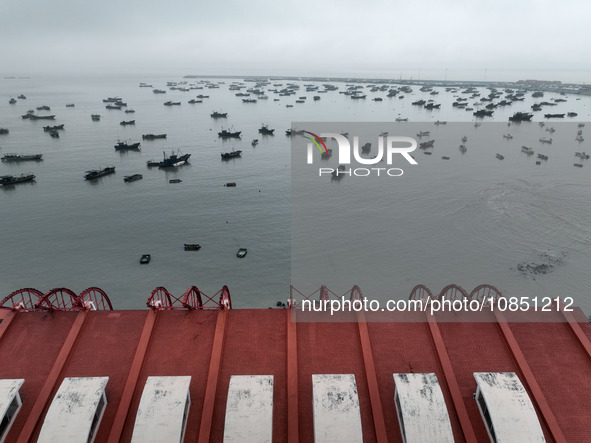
57, 299
193, 298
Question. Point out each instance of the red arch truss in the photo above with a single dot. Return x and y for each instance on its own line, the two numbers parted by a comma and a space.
453, 292
192, 298
94, 299
421, 292
58, 299
23, 300
486, 293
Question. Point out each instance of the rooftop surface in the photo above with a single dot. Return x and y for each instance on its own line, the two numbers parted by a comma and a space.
552, 360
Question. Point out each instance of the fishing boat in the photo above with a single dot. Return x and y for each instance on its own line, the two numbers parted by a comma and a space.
132, 178
216, 114
528, 151
95, 117
53, 128
145, 259
14, 179
426, 145
224, 133
174, 160
121, 146
500, 157
96, 173
21, 158
175, 180
192, 247
153, 136
171, 103
229, 155
542, 157
194, 101
241, 253
39, 117
125, 123
546, 140
264, 129
521, 117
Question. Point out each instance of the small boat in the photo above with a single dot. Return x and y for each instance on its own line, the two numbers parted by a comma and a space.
445, 157
21, 158
542, 157
159, 91
582, 155
12, 101
96, 173
70, 105
173, 160
95, 117
219, 115
426, 145
125, 123
241, 253
132, 178
546, 140
129, 111
153, 136
483, 113
427, 152
40, 117
248, 100
14, 179
53, 128
229, 134
463, 149
116, 107
437, 123
54, 134
264, 129
171, 103
429, 106
553, 115
500, 157
22, 97
528, 151
43, 108
229, 155
521, 117
230, 185
145, 259
572, 114
255, 142
194, 101
175, 180
400, 119
121, 146
578, 165
423, 134
507, 136
192, 247
4, 131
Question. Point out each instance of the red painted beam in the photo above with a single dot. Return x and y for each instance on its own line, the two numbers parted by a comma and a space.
575, 328
536, 391
292, 377
7, 319
37, 412
372, 380
451, 380
132, 378
212, 377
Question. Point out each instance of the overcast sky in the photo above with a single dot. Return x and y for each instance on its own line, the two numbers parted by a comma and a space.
424, 38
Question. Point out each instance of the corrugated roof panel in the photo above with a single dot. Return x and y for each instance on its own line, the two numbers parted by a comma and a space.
421, 405
507, 407
337, 417
249, 409
163, 410
72, 412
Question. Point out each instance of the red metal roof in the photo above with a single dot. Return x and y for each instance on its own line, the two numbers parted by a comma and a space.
551, 359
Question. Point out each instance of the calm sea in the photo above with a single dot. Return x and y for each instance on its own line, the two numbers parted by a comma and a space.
472, 222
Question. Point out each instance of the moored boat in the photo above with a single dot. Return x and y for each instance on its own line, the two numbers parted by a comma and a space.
96, 173
120, 146
125, 123
14, 179
21, 158
132, 178
500, 157
224, 133
145, 259
216, 114
264, 129
241, 253
229, 155
153, 136
192, 247
174, 160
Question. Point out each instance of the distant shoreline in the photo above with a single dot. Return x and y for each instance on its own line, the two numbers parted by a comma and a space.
530, 84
